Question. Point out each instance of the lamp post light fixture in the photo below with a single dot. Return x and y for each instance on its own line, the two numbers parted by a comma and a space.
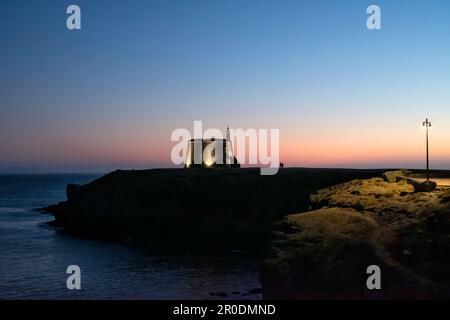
427, 124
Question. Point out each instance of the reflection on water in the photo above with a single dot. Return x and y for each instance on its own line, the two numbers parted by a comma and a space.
34, 257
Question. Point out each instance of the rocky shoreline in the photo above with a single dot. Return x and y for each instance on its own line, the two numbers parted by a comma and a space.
177, 208
318, 229
324, 253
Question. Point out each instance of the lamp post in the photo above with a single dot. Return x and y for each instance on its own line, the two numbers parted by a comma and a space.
427, 124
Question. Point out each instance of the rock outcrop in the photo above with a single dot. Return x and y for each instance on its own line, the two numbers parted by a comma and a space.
396, 175
425, 186
325, 253
207, 208
406, 176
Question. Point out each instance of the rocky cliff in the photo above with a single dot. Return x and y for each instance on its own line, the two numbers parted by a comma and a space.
387, 222
212, 208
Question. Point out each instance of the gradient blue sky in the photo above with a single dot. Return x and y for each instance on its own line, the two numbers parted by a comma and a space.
109, 96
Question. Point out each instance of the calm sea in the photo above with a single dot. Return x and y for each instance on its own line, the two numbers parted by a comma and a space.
34, 257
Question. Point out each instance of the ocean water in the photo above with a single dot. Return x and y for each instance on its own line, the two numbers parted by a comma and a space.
34, 257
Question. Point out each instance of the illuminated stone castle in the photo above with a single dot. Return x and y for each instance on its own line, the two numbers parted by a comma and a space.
211, 153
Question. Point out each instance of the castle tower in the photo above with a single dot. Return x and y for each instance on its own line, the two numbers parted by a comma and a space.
229, 149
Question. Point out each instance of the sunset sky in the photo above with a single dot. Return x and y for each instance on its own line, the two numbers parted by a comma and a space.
109, 96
